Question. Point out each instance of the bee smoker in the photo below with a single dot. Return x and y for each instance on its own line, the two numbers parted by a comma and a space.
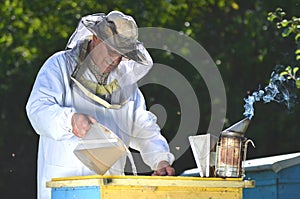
231, 150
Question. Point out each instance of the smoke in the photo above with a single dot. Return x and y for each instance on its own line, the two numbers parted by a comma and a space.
280, 89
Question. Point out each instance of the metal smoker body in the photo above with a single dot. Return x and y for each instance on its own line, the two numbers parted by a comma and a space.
231, 150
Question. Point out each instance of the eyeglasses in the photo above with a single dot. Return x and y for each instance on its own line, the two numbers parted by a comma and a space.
112, 53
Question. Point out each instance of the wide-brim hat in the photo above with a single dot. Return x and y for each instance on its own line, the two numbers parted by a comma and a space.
120, 32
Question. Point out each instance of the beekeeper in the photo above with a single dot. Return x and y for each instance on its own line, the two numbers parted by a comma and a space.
95, 80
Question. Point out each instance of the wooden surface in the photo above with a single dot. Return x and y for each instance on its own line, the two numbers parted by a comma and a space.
153, 187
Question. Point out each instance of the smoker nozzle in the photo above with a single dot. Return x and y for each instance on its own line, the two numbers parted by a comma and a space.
240, 126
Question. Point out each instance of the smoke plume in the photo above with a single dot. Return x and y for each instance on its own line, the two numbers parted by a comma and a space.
280, 89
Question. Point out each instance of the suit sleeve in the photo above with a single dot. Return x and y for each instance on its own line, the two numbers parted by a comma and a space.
46, 108
146, 136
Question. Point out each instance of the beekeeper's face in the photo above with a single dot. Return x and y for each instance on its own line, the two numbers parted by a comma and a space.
104, 56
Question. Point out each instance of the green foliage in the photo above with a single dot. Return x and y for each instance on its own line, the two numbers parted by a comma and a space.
289, 27
291, 73
244, 45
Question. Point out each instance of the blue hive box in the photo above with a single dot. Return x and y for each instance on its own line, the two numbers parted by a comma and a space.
276, 177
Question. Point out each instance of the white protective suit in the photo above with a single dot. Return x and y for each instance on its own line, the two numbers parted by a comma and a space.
53, 101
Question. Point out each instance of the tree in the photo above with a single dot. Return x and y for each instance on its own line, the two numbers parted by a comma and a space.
244, 45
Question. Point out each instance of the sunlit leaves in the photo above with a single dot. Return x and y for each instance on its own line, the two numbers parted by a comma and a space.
291, 73
297, 52
278, 14
235, 6
289, 26
6, 39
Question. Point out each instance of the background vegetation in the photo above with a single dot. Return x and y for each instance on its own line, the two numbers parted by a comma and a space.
244, 44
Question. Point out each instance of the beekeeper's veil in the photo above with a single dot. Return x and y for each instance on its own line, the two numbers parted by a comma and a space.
120, 32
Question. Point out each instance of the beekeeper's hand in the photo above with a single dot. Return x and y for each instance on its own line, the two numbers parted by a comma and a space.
81, 123
164, 169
